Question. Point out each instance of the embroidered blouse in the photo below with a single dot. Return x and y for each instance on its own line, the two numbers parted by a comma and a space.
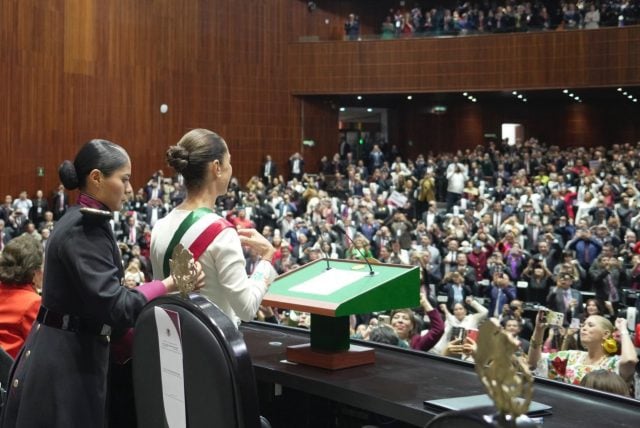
571, 366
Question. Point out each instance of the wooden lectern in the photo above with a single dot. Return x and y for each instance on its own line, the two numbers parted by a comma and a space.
331, 295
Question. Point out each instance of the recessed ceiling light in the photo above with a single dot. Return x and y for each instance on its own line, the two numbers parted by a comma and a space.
624, 93
409, 97
635, 100
524, 100
619, 89
566, 91
520, 96
474, 100
369, 110
630, 97
515, 92
464, 94
343, 109
570, 94
359, 97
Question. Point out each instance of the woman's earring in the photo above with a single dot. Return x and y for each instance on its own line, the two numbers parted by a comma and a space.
610, 345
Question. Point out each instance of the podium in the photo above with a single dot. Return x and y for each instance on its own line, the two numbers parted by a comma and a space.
332, 295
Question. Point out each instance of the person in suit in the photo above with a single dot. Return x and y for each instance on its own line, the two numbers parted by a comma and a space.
155, 210
457, 291
608, 278
296, 166
557, 204
131, 231
565, 299
20, 278
154, 190
501, 293
39, 207
268, 170
60, 202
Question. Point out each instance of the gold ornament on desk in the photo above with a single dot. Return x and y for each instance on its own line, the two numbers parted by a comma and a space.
505, 376
183, 270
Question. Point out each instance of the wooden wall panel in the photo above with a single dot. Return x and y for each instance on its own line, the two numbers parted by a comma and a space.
603, 57
72, 70
464, 126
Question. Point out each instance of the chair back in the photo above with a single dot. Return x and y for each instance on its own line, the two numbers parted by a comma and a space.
219, 382
5, 367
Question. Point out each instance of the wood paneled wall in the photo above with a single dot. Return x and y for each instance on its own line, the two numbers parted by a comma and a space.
593, 58
465, 126
72, 70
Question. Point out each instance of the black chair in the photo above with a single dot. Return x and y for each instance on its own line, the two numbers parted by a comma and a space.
5, 367
220, 388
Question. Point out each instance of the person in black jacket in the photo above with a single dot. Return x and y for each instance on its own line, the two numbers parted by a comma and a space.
60, 378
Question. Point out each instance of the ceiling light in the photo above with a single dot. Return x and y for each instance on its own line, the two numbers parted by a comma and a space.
359, 97
343, 109
624, 93
524, 100
520, 96
630, 97
369, 110
409, 97
566, 91
619, 89
570, 94
635, 100
515, 92
464, 94
474, 100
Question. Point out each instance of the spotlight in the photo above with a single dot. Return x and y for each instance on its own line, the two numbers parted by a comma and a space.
566, 91
409, 97
515, 92
464, 94
619, 89
520, 96
624, 93
359, 97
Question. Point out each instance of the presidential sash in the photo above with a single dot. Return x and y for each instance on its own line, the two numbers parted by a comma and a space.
196, 232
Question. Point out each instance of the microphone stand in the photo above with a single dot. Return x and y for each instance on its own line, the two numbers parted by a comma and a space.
339, 228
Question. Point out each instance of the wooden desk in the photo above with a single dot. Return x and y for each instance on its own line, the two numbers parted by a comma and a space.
400, 381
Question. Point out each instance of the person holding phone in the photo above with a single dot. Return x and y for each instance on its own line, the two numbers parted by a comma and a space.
565, 299
596, 335
460, 320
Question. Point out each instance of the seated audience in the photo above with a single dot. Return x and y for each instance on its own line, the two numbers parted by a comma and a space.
20, 279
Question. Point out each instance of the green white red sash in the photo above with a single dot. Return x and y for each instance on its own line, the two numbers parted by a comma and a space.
196, 232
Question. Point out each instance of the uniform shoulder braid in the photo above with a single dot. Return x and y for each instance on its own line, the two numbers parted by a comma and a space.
94, 213
93, 209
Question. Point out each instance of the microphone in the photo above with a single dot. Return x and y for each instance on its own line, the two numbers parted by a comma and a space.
339, 229
326, 256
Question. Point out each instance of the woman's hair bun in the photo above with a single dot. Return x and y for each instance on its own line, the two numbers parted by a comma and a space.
68, 175
178, 158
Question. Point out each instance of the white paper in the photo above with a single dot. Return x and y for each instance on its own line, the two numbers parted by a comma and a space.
171, 368
329, 282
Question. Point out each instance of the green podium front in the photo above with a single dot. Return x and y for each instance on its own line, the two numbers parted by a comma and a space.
331, 295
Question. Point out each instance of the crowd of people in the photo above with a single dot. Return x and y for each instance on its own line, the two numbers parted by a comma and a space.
510, 16
496, 231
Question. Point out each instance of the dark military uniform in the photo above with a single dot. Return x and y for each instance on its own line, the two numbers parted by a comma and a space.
60, 377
